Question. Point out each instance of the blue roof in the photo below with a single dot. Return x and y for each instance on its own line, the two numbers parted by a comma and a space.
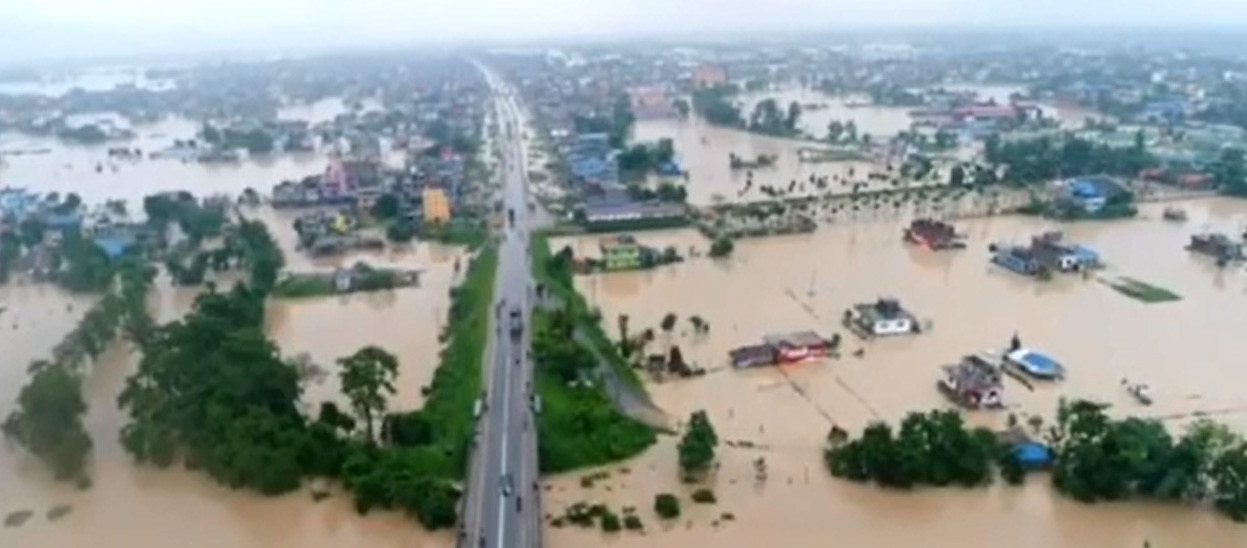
59, 220
1085, 189
114, 246
1032, 454
1036, 363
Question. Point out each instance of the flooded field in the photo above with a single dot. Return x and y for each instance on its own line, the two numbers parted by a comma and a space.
1185, 350
141, 507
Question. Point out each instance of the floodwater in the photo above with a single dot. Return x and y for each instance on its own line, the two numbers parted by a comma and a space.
69, 168
140, 507
1185, 350
880, 122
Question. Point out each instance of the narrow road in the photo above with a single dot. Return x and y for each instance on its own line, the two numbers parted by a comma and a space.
502, 507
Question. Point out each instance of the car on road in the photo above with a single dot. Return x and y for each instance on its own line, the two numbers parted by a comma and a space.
508, 485
517, 323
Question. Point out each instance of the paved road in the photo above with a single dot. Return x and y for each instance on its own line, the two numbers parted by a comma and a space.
502, 509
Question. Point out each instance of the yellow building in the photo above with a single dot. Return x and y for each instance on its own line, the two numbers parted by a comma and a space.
436, 205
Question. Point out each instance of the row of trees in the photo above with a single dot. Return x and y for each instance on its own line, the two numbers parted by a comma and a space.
618, 124
642, 158
48, 419
933, 448
769, 118
1045, 158
1101, 459
715, 105
1096, 458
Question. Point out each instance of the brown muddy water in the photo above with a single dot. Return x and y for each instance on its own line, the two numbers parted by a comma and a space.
141, 507
1186, 350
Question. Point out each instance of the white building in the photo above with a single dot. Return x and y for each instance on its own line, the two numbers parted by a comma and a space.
884, 317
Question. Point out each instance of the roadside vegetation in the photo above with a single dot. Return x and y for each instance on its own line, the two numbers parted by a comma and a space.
553, 272
1143, 291
578, 425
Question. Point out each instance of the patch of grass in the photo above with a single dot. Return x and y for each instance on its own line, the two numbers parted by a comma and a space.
560, 286
470, 233
704, 496
1143, 291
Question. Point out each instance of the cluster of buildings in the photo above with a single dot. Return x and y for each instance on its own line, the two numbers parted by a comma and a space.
108, 227
783, 348
429, 190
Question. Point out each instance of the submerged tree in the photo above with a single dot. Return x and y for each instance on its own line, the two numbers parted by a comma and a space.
48, 420
367, 378
696, 448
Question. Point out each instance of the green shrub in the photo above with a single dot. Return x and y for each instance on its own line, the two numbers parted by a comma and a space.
667, 506
704, 496
610, 522
633, 523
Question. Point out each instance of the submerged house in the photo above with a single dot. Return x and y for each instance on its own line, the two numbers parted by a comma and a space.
934, 234
621, 252
881, 318
1091, 194
973, 383
1047, 252
781, 349
1218, 246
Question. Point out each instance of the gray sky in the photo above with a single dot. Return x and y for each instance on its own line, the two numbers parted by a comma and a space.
55, 28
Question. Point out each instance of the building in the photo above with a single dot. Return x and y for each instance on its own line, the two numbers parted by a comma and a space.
1091, 194
799, 346
621, 252
755, 355
1048, 252
883, 317
1219, 246
611, 211
973, 383
934, 234
436, 206
650, 102
708, 76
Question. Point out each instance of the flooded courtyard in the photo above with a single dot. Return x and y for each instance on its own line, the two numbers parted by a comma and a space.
1185, 350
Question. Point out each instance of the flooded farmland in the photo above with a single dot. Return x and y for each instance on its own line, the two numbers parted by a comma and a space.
1185, 350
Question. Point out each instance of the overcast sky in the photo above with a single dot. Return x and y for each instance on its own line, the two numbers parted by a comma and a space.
56, 28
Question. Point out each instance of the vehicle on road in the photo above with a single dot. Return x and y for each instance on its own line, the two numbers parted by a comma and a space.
508, 485
477, 407
519, 504
517, 323
511, 216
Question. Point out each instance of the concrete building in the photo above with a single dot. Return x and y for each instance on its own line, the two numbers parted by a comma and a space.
436, 206
621, 252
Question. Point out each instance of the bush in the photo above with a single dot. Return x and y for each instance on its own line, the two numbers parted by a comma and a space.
704, 496
633, 523
722, 247
667, 506
610, 522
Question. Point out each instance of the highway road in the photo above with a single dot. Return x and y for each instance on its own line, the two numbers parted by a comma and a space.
502, 509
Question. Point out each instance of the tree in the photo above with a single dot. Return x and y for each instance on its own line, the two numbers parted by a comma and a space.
933, 448
386, 207
625, 347
668, 323
367, 378
958, 176
721, 247
682, 107
87, 267
31, 229
667, 506
696, 448
794, 116
48, 420
401, 232
1230, 172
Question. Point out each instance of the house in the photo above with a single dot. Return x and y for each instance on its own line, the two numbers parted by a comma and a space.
17, 202
934, 234
621, 252
1048, 252
974, 383
753, 356
799, 346
435, 205
883, 317
1218, 246
708, 76
611, 211
650, 102
1091, 194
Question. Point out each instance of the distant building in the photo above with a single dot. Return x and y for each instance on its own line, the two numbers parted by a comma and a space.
436, 206
650, 102
1091, 194
1047, 252
707, 76
621, 252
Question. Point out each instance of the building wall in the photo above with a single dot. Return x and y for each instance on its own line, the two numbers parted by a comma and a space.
436, 205
897, 326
